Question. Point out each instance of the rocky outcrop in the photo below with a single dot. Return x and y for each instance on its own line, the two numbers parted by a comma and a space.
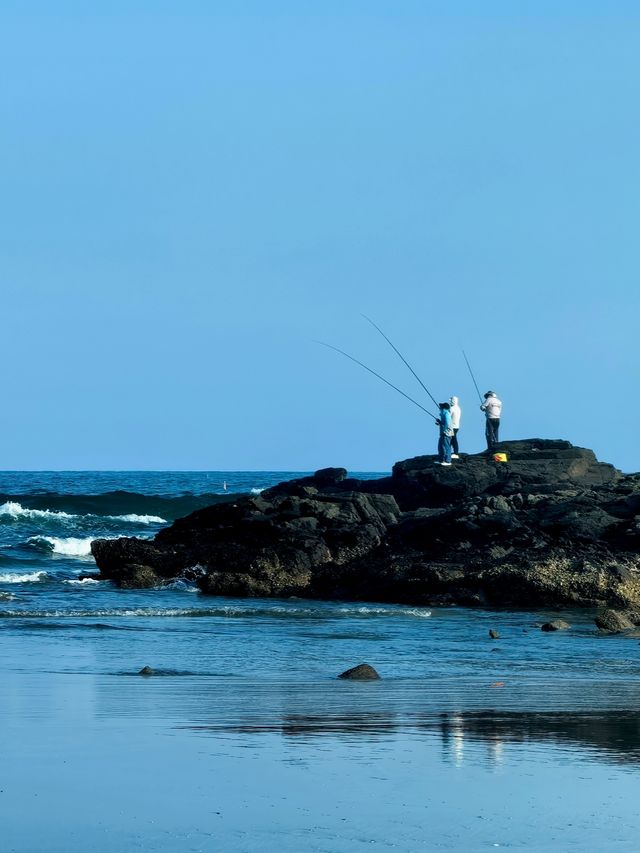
259, 547
552, 526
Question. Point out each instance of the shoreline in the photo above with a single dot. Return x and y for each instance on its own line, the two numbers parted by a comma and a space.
552, 526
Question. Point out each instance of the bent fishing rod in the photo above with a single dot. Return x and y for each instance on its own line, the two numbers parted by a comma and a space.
473, 377
403, 359
386, 381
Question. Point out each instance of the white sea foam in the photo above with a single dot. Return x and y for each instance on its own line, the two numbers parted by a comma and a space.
256, 491
138, 519
72, 546
366, 610
112, 612
31, 577
16, 511
181, 585
221, 611
82, 582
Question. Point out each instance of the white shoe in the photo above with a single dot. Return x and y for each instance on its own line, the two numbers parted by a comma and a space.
448, 464
455, 456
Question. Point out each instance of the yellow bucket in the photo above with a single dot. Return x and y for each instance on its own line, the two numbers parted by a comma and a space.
500, 457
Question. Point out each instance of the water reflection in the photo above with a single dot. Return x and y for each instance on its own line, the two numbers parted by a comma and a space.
614, 736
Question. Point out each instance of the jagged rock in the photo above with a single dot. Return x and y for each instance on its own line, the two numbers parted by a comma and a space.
146, 670
616, 621
362, 672
555, 625
551, 527
139, 577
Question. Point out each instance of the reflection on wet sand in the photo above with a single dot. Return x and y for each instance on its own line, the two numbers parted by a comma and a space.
611, 735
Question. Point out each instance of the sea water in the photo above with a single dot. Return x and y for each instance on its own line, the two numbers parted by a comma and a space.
245, 740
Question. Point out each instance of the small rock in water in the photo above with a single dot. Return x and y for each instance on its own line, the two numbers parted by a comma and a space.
616, 621
146, 670
494, 634
362, 672
555, 625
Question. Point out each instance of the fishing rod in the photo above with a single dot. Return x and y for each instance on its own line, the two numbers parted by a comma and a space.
404, 360
386, 381
472, 376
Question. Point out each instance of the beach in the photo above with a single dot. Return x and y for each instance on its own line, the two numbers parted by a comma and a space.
244, 739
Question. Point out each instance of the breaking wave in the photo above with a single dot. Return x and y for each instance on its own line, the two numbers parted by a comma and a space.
72, 546
82, 582
138, 519
31, 577
16, 511
122, 505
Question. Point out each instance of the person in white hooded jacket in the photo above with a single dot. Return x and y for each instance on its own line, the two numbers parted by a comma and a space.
456, 414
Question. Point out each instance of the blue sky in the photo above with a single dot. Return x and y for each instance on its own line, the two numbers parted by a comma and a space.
193, 192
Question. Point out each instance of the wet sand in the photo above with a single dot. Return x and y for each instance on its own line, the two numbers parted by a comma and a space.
464, 745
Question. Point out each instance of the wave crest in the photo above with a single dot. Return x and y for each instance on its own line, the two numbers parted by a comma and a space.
72, 546
82, 582
15, 511
31, 577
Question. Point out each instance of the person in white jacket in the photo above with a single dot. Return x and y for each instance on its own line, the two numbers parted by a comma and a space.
492, 407
456, 414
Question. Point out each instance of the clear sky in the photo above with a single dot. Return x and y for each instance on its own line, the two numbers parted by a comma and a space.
192, 192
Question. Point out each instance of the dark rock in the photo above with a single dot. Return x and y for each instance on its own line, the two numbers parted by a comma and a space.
362, 672
616, 621
494, 634
139, 577
146, 670
552, 527
555, 625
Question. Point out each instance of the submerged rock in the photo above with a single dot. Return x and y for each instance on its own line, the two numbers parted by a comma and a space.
362, 672
147, 670
551, 527
494, 634
555, 625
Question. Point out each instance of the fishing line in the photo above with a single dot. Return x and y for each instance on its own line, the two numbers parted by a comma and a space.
386, 381
473, 377
397, 351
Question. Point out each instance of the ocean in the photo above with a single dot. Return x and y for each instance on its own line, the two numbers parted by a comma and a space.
245, 740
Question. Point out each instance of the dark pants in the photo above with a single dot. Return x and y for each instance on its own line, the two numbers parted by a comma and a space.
444, 448
491, 432
454, 442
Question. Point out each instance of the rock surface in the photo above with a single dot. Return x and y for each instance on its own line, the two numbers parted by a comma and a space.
362, 672
550, 527
616, 621
555, 625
